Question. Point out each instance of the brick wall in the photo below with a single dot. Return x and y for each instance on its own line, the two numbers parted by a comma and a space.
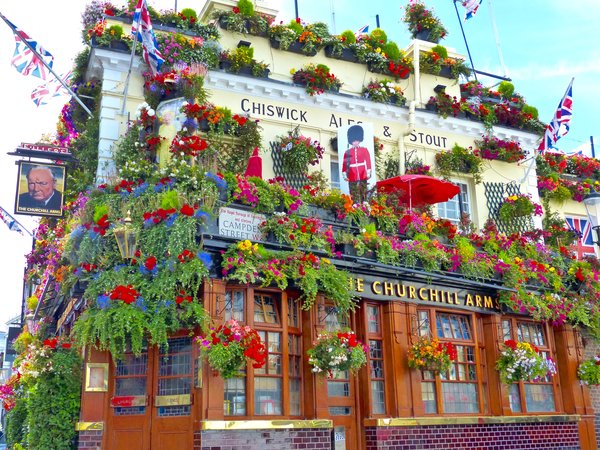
91, 439
288, 439
591, 349
519, 436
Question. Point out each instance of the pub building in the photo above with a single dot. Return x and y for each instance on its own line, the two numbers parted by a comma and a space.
172, 399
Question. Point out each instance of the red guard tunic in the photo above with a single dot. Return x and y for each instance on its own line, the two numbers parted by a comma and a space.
357, 162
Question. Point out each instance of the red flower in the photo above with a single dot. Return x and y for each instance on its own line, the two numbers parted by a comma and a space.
511, 344
236, 10
51, 343
150, 263
187, 210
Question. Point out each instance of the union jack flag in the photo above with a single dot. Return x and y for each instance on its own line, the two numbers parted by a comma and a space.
585, 243
471, 6
9, 220
143, 27
559, 126
53, 88
24, 59
362, 30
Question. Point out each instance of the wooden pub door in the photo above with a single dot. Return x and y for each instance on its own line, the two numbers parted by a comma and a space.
152, 399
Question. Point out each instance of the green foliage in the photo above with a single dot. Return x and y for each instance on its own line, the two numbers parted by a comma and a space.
506, 89
189, 12
459, 160
440, 50
53, 403
532, 110
296, 27
115, 31
378, 35
589, 371
349, 36
392, 51
169, 200
16, 423
246, 7
99, 211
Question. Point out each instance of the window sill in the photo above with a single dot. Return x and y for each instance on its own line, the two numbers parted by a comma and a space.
264, 424
469, 420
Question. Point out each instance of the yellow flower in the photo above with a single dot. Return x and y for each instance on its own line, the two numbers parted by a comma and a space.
325, 261
245, 245
517, 260
292, 71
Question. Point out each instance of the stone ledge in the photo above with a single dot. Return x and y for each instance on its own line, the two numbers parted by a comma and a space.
468, 420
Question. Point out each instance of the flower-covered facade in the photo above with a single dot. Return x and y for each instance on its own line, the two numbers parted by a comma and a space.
214, 332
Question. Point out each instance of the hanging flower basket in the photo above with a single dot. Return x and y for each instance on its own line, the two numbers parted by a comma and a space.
589, 371
430, 354
337, 351
228, 347
519, 206
522, 361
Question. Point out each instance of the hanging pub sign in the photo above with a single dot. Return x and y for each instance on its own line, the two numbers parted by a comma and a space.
44, 151
40, 189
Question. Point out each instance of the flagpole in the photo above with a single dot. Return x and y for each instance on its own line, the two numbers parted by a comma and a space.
14, 30
126, 90
497, 37
465, 39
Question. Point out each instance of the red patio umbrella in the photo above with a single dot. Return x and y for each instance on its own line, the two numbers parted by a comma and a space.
419, 190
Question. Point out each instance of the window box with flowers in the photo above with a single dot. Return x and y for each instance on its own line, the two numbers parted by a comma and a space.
338, 47
384, 91
316, 79
228, 347
430, 354
459, 160
243, 19
522, 361
422, 23
241, 61
337, 351
589, 371
444, 105
518, 206
490, 147
298, 37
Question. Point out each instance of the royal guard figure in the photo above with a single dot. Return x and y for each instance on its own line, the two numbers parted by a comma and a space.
356, 167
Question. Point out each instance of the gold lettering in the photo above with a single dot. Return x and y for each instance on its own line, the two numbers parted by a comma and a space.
478, 301
433, 295
421, 296
398, 292
456, 299
469, 300
412, 292
487, 301
351, 283
388, 288
360, 287
376, 287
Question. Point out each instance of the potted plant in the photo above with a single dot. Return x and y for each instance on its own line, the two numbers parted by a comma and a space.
337, 351
422, 23
243, 19
241, 60
339, 47
316, 79
459, 159
522, 361
443, 104
518, 206
431, 62
490, 147
228, 347
384, 91
429, 353
298, 37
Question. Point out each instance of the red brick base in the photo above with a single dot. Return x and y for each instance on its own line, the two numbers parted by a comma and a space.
91, 439
288, 439
521, 436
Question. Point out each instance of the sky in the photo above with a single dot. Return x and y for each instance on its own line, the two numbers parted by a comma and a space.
544, 43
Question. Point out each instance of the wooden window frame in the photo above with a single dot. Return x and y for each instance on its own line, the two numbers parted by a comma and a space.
550, 348
285, 331
380, 337
476, 343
